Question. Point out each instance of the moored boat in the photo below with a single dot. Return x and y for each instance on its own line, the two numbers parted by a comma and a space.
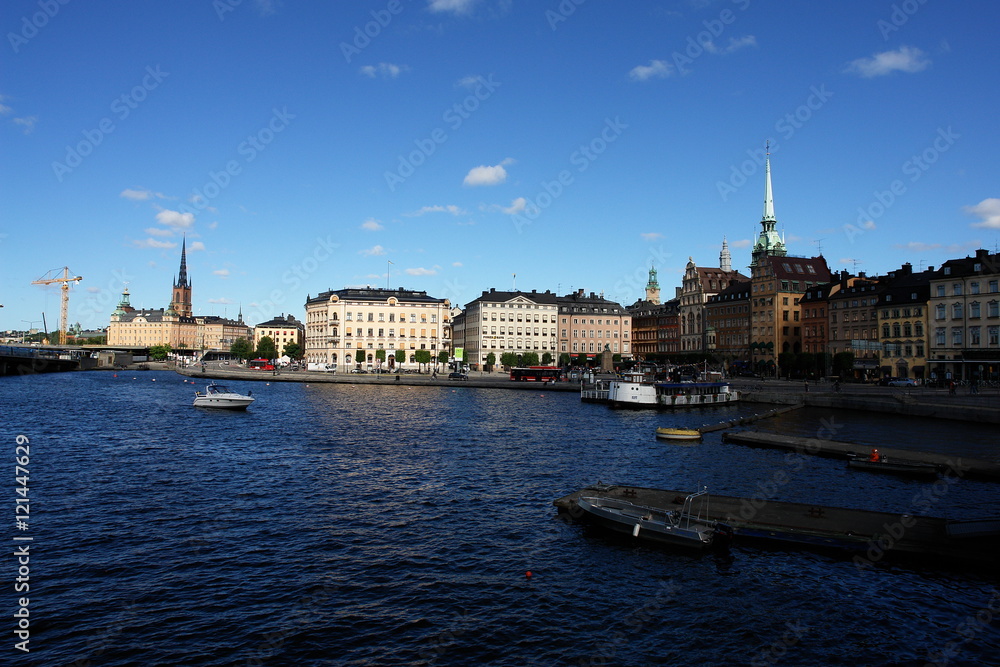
685, 527
219, 396
686, 434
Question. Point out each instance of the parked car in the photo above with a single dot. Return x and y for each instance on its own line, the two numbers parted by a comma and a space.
359, 370
902, 382
457, 376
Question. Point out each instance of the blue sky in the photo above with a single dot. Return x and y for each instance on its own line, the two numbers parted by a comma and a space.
303, 146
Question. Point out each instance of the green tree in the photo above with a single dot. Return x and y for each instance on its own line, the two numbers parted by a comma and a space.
293, 350
380, 355
266, 348
508, 360
422, 356
491, 359
400, 356
786, 362
159, 352
806, 363
359, 356
443, 357
564, 359
822, 363
241, 349
581, 359
529, 359
843, 363
547, 359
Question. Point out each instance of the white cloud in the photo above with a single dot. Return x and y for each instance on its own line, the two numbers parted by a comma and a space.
904, 59
159, 231
453, 6
141, 195
387, 70
457, 264
175, 219
651, 236
516, 206
989, 212
265, 7
420, 271
951, 249
735, 44
451, 208
373, 251
483, 175
469, 82
224, 273
656, 68
153, 243
742, 243
213, 224
27, 122
226, 302
4, 109
868, 224
372, 225
93, 290
196, 246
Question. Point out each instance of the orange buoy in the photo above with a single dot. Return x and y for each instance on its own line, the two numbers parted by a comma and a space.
528, 574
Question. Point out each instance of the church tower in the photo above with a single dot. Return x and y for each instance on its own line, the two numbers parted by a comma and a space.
725, 260
653, 288
181, 301
768, 242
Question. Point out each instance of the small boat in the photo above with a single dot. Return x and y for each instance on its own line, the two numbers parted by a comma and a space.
678, 434
677, 527
219, 396
895, 467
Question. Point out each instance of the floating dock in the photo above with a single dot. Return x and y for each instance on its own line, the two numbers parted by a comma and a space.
959, 466
870, 535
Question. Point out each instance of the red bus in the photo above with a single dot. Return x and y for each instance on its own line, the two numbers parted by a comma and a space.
260, 365
536, 374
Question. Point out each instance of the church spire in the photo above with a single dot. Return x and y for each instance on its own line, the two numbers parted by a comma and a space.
768, 197
182, 276
725, 259
653, 287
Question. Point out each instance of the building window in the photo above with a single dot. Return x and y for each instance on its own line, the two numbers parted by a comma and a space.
974, 287
974, 336
993, 308
956, 311
993, 334
940, 290
993, 286
956, 336
974, 309
939, 311
918, 328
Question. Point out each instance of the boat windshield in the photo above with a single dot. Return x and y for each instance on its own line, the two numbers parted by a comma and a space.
218, 389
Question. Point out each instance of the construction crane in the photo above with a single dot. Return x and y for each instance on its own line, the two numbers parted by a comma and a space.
64, 309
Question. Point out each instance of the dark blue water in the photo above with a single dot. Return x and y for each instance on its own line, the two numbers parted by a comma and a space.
368, 525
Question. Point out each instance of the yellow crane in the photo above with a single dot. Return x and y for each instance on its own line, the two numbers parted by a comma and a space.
64, 309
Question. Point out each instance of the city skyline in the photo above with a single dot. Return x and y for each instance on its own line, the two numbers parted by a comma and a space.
447, 146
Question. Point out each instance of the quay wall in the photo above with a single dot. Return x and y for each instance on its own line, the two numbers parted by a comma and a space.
940, 406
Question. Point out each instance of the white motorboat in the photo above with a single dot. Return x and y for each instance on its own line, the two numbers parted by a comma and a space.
219, 396
683, 527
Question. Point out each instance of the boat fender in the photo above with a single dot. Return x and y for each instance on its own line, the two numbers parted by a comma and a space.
635, 531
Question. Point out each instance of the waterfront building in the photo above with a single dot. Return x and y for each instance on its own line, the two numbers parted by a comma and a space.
181, 299
727, 315
501, 322
902, 322
654, 329
778, 284
219, 333
699, 284
378, 322
590, 323
853, 324
769, 243
282, 330
964, 312
815, 305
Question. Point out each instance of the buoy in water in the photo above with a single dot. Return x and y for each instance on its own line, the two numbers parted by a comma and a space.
528, 574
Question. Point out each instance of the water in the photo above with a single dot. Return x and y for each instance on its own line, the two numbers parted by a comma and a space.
388, 525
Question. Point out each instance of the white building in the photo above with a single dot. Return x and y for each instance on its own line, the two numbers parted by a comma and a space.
378, 322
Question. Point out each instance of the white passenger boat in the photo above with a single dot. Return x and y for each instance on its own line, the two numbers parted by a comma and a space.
695, 394
219, 396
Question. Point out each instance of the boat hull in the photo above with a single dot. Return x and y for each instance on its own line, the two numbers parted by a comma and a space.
646, 523
918, 470
223, 402
681, 434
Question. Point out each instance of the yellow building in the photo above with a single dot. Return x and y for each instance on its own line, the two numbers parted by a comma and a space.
282, 330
